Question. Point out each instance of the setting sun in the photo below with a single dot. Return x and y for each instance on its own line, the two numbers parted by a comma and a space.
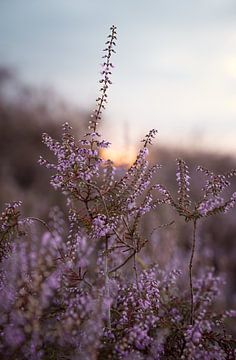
120, 157
230, 67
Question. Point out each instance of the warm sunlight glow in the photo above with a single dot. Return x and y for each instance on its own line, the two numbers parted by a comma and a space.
230, 66
120, 157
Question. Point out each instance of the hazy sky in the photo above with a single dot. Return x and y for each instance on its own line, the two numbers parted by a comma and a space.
175, 63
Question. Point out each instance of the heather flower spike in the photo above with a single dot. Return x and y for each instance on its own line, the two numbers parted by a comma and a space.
183, 179
105, 80
148, 138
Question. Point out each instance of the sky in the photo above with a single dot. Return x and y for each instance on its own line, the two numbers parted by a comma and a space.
175, 67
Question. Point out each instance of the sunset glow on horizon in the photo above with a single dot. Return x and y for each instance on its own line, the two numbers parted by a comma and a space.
120, 156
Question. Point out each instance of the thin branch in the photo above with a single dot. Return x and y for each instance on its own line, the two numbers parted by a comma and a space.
126, 224
122, 264
42, 222
190, 272
161, 227
100, 193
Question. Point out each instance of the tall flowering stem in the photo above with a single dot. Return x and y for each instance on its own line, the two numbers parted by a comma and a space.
96, 117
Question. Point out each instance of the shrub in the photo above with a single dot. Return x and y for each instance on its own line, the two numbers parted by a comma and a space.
86, 292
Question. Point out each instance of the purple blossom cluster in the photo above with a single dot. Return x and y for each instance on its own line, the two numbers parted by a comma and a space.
150, 322
212, 201
80, 288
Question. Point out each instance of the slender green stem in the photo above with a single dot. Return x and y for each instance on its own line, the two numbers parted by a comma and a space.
190, 272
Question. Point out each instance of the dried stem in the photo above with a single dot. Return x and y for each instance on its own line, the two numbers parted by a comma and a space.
190, 271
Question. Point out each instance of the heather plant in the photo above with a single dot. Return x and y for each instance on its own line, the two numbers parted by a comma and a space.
86, 292
211, 203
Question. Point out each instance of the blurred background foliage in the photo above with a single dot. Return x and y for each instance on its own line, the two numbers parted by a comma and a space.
25, 113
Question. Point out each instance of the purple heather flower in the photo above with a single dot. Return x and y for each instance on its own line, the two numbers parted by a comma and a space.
209, 205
